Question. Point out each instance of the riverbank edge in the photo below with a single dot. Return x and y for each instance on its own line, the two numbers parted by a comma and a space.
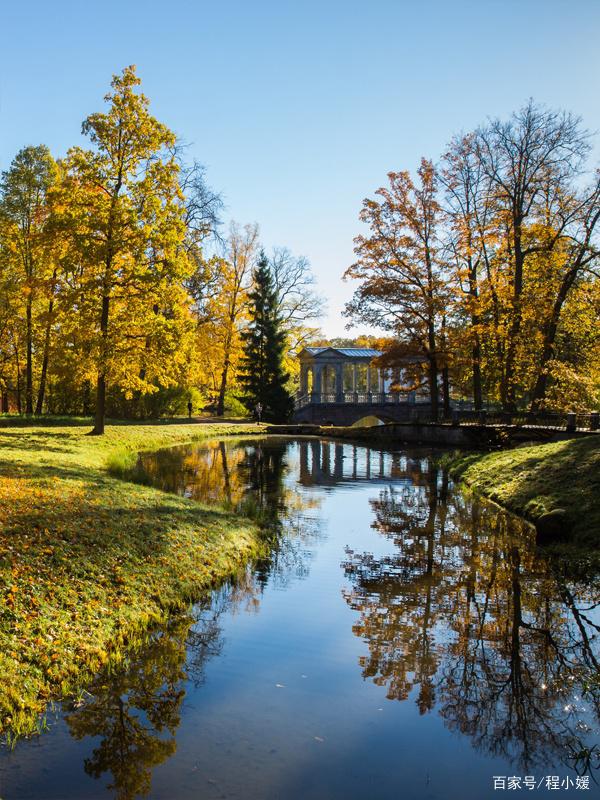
507, 465
441, 434
90, 564
534, 480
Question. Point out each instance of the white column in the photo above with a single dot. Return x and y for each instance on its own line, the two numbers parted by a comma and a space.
303, 379
317, 383
339, 383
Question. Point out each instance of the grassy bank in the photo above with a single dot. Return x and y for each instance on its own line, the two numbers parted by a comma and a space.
534, 479
88, 562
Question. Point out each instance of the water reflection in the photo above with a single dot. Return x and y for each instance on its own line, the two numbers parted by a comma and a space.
135, 709
252, 477
135, 712
329, 464
467, 614
455, 613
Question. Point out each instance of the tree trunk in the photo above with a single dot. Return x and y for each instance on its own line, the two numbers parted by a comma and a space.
510, 401
510, 389
42, 389
224, 373
29, 359
433, 387
222, 389
541, 384
446, 391
18, 366
498, 341
98, 429
445, 370
476, 347
433, 370
476, 362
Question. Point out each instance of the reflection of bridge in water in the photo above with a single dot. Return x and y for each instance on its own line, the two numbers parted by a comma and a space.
324, 463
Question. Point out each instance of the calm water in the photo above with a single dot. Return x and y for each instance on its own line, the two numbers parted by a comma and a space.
402, 641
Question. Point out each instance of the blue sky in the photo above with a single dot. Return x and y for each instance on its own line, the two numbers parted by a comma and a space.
298, 109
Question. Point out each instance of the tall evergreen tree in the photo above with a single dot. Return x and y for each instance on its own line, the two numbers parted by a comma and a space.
262, 374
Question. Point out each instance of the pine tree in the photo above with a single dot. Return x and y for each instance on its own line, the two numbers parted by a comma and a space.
262, 374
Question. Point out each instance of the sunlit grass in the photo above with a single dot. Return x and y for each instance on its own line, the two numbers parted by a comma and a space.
534, 479
88, 563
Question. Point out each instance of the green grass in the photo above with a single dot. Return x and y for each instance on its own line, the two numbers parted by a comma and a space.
88, 562
534, 479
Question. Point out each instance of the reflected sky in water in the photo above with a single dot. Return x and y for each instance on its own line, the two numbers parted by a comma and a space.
401, 641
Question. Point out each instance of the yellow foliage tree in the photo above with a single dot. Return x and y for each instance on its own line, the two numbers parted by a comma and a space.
123, 213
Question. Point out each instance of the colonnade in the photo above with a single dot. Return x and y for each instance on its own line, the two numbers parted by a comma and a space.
375, 379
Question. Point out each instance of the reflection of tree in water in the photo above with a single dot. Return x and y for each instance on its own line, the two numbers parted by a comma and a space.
282, 511
136, 709
249, 477
204, 473
490, 632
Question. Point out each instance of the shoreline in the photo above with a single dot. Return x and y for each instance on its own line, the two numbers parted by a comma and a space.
539, 479
90, 563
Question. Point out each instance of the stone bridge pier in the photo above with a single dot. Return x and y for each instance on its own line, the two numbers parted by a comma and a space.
348, 413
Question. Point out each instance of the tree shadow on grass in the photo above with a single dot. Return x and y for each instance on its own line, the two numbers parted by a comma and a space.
38, 441
8, 422
106, 538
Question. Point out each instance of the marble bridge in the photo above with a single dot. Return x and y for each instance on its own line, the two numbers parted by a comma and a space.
340, 386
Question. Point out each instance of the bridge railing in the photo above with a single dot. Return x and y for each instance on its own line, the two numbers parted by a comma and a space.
353, 398
302, 400
415, 412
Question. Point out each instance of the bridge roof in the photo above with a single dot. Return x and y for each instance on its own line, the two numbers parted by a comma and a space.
348, 352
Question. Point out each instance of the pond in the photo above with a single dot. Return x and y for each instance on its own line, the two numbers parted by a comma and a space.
402, 640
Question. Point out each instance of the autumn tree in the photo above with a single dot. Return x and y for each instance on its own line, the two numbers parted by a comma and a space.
512, 254
27, 254
575, 290
532, 162
401, 270
228, 307
125, 215
521, 234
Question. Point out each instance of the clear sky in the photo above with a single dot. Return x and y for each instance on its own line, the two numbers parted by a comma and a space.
298, 109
